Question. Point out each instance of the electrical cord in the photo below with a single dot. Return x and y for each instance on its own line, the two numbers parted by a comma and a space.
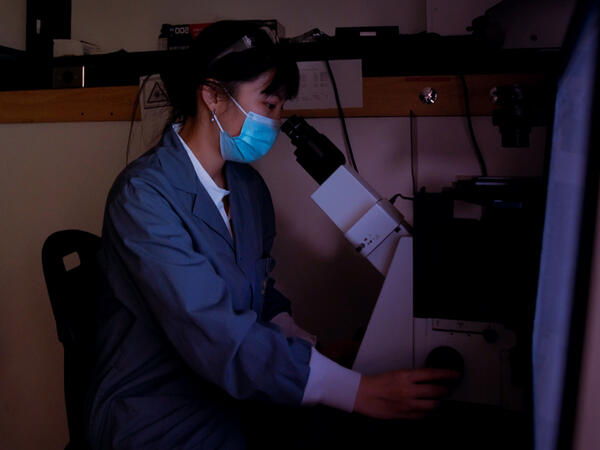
478, 153
342, 117
349, 147
403, 197
413, 153
133, 114
413, 158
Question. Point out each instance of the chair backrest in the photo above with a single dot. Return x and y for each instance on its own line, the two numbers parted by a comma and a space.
73, 280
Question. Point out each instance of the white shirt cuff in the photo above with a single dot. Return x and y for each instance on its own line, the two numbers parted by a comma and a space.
330, 384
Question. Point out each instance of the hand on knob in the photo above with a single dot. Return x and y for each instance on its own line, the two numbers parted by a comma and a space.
402, 394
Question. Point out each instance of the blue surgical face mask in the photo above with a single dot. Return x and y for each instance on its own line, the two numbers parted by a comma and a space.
255, 140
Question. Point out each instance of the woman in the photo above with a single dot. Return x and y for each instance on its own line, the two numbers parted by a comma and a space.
194, 324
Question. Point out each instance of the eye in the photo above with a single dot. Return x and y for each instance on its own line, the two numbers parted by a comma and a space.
271, 106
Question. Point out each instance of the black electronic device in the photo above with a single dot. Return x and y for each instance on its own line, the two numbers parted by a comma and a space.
484, 263
181, 36
475, 267
514, 24
519, 109
384, 32
47, 20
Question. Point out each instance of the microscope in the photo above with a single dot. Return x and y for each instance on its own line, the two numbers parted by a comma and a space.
455, 289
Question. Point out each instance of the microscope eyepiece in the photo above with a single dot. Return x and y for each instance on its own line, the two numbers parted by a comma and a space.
314, 151
289, 125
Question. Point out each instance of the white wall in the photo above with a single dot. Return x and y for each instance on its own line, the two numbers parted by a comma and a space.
52, 177
55, 176
13, 15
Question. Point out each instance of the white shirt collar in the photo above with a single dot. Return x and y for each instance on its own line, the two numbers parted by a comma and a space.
216, 193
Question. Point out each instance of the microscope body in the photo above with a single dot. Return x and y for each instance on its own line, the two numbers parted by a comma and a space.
428, 313
419, 319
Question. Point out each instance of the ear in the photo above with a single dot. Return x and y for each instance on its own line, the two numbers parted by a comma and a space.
212, 95
208, 96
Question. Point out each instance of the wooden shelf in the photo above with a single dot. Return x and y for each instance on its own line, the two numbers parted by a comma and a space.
397, 96
382, 97
68, 105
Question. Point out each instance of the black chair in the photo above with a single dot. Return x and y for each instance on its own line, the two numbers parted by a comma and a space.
73, 292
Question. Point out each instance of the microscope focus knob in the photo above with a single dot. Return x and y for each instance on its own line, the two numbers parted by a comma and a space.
445, 357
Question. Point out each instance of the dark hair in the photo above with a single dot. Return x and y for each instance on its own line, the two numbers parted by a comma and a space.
208, 58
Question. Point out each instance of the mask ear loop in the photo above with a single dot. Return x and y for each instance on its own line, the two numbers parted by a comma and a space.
236, 103
215, 119
233, 99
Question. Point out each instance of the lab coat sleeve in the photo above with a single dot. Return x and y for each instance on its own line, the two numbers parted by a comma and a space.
192, 304
275, 302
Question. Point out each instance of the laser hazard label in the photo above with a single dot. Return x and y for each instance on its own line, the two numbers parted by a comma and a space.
154, 94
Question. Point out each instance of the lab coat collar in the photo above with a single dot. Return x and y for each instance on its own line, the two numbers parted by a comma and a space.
238, 204
176, 163
180, 171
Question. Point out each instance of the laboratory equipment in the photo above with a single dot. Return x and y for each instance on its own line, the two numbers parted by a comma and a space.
409, 326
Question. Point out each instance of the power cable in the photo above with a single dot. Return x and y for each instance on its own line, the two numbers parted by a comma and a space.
478, 153
133, 114
350, 153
